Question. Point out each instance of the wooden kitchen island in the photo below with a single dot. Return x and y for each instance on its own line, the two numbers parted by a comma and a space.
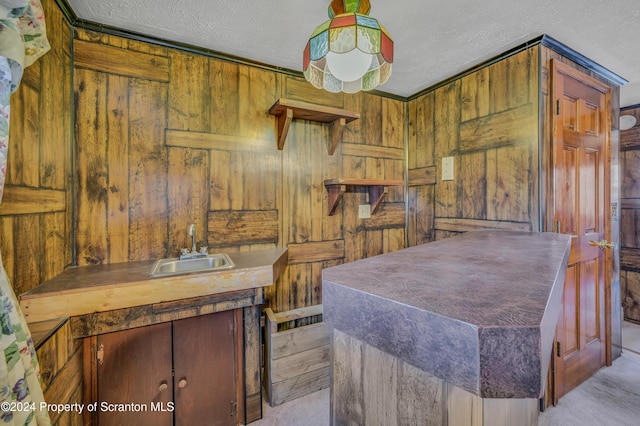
454, 332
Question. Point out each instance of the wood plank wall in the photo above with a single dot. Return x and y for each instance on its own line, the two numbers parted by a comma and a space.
487, 121
494, 123
36, 209
166, 138
35, 214
630, 217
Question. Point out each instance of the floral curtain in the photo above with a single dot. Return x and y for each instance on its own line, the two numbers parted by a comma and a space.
22, 41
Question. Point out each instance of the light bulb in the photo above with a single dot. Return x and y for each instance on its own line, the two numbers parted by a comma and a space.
349, 66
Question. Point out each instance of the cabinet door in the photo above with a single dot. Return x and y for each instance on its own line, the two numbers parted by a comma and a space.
135, 368
205, 373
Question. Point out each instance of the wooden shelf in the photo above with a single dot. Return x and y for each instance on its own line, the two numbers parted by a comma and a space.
287, 109
377, 190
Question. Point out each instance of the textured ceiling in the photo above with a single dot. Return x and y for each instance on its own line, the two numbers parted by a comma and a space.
433, 39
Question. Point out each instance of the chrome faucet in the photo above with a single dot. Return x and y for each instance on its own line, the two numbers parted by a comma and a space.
185, 254
192, 233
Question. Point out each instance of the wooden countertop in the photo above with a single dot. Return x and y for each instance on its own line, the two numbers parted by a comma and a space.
478, 310
98, 288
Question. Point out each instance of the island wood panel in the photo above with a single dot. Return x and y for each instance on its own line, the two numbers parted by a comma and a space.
630, 218
370, 386
487, 120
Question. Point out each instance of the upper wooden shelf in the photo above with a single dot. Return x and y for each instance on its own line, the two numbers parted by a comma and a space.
287, 109
377, 190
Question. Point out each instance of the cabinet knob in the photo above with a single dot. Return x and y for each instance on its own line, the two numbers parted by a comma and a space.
182, 383
163, 386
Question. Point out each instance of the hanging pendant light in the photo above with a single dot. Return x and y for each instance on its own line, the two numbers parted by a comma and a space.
350, 52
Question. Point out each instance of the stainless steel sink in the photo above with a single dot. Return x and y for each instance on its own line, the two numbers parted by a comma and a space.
211, 262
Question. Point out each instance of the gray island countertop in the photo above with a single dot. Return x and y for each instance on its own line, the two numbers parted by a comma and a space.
478, 310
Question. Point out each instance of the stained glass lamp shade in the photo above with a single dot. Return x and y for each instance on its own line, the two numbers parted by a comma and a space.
350, 52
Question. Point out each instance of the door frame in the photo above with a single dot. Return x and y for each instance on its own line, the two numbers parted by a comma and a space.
555, 67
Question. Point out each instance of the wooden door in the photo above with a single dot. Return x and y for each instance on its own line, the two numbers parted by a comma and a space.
205, 369
581, 199
134, 366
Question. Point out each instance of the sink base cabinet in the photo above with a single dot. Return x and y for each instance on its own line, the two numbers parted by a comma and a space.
182, 372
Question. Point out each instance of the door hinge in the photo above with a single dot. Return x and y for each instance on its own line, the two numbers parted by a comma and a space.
557, 348
557, 106
233, 407
100, 354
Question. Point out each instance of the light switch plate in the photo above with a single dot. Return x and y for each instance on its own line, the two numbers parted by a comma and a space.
447, 168
364, 211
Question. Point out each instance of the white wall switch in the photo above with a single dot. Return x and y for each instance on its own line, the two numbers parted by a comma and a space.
447, 168
364, 211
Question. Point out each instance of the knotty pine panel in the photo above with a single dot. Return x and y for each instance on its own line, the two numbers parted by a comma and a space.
115, 41
187, 197
120, 61
60, 359
92, 184
147, 170
118, 173
35, 237
204, 143
487, 121
189, 101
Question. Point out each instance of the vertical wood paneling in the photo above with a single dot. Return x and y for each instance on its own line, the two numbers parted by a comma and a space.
474, 185
488, 121
347, 380
27, 243
55, 242
37, 245
189, 101
118, 171
91, 167
147, 170
475, 95
188, 197
447, 116
223, 83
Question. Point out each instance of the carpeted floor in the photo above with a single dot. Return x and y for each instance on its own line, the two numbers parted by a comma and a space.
610, 398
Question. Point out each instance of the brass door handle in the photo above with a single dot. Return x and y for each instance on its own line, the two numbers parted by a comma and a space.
602, 244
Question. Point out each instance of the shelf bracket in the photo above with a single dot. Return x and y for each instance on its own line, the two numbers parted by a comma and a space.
284, 121
337, 128
335, 193
376, 195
